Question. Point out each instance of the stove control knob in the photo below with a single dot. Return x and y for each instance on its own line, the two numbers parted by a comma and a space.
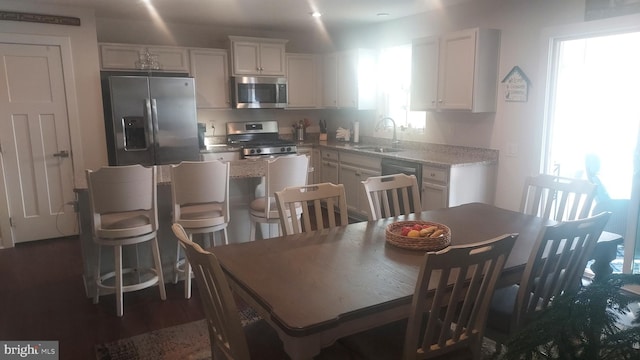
289, 149
259, 151
282, 149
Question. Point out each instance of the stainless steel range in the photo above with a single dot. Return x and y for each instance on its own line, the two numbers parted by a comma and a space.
259, 139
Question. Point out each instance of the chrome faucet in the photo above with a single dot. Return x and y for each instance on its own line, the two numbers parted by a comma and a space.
394, 139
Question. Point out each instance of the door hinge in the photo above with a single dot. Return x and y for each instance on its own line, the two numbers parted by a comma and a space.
10, 221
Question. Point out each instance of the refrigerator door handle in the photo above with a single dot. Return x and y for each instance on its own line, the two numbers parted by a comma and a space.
154, 124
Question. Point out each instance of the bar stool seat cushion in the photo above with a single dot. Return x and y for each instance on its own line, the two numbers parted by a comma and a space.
125, 224
201, 215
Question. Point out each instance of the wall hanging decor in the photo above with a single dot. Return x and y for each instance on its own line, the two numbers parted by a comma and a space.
516, 85
39, 18
600, 9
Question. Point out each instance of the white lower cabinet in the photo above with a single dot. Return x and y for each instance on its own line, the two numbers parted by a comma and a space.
354, 169
314, 163
457, 185
329, 171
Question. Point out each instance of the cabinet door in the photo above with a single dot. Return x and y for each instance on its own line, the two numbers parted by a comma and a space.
457, 61
210, 70
171, 58
246, 58
350, 177
124, 57
363, 201
316, 160
302, 80
330, 172
434, 196
330, 75
272, 59
118, 57
424, 74
347, 79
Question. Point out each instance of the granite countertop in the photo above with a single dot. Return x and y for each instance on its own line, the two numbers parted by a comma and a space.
428, 154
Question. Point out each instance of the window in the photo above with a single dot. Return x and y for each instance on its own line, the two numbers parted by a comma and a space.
592, 111
394, 84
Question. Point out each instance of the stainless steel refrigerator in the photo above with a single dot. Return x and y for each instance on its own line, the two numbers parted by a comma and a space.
150, 119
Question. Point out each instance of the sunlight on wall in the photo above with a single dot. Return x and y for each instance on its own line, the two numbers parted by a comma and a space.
394, 84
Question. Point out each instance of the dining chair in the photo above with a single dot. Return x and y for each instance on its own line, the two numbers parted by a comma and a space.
392, 195
557, 198
310, 199
281, 172
123, 205
449, 306
556, 264
200, 198
227, 336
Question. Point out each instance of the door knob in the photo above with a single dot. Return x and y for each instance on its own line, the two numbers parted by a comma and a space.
61, 154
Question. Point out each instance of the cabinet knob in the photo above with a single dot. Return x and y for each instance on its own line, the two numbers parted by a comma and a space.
440, 101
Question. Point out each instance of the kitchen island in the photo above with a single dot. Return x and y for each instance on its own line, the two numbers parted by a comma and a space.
246, 174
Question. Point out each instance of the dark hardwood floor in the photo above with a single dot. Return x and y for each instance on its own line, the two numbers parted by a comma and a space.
43, 298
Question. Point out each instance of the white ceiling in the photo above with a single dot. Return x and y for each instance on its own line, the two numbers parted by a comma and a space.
262, 14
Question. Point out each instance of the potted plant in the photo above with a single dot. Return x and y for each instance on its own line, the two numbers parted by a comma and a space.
582, 324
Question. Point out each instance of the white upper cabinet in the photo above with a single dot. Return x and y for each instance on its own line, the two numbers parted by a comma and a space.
303, 84
126, 56
349, 79
209, 67
458, 71
257, 56
424, 73
330, 83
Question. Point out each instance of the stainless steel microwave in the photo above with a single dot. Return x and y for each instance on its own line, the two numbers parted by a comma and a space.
259, 92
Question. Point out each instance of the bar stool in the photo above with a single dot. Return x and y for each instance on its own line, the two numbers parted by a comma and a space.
282, 172
200, 195
123, 203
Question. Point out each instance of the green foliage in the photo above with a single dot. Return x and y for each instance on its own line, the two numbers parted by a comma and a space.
582, 325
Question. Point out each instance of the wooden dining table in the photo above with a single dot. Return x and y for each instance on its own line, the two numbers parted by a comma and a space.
314, 288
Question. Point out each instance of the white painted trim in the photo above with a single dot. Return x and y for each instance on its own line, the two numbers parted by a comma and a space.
550, 38
64, 42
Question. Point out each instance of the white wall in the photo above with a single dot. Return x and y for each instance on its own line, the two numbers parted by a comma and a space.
514, 125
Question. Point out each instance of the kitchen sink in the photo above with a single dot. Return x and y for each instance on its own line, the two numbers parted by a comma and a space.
378, 149
385, 149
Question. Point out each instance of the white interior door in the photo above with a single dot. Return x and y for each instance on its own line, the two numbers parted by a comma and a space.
34, 140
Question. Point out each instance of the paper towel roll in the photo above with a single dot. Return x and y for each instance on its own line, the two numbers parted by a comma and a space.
356, 132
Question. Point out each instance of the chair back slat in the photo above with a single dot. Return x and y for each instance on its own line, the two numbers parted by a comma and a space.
456, 314
392, 195
556, 264
557, 198
223, 321
307, 200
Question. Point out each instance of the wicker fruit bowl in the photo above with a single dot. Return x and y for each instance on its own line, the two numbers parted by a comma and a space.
435, 236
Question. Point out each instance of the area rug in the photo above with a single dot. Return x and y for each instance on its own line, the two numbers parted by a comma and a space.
188, 341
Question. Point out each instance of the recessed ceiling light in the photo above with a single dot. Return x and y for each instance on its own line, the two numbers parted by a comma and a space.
382, 14
316, 14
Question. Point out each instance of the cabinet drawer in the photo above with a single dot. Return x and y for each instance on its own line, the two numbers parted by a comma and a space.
432, 174
331, 155
361, 161
222, 156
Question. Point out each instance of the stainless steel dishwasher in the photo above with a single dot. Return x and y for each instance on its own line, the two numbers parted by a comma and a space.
396, 166
390, 166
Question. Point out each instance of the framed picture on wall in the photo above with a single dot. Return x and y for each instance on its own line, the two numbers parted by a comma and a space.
600, 9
